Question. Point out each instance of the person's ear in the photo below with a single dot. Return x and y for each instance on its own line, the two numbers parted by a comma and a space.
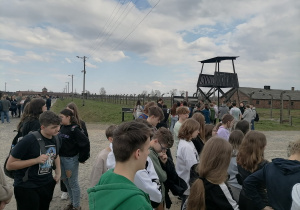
42, 127
137, 154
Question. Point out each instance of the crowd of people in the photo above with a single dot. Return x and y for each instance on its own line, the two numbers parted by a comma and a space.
219, 165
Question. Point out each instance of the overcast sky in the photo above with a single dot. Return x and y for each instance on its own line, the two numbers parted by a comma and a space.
143, 45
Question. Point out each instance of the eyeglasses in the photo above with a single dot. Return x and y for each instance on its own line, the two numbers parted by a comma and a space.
162, 148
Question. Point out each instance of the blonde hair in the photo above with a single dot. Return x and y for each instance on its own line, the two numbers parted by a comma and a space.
201, 120
187, 128
215, 159
251, 150
235, 139
182, 110
293, 148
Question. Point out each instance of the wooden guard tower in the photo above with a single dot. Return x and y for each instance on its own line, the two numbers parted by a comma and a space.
218, 80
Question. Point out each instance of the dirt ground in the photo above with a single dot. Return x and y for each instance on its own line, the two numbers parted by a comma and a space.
276, 147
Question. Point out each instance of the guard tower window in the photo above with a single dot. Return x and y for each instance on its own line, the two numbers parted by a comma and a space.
257, 101
269, 103
292, 103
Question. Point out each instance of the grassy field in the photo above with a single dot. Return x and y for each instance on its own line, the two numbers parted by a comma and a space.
110, 113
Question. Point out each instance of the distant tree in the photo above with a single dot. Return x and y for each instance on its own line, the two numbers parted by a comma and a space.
158, 93
102, 91
182, 92
88, 92
152, 93
144, 92
173, 92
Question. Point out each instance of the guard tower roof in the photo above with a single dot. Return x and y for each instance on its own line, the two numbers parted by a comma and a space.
219, 59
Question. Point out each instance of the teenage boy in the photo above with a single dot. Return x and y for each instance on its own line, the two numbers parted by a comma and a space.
183, 114
116, 189
155, 116
100, 167
279, 177
161, 141
146, 179
36, 192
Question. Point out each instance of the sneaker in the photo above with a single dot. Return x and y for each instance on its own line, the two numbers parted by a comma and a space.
69, 206
64, 196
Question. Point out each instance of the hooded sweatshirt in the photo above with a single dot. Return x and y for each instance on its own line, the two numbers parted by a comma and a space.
279, 177
117, 192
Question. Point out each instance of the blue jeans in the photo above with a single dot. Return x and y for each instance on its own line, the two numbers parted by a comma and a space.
69, 175
173, 121
252, 125
2, 116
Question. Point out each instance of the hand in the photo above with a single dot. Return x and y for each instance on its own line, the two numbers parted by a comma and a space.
2, 205
268, 208
42, 158
163, 157
57, 177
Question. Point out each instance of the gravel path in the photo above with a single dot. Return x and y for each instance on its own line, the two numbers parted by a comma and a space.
276, 147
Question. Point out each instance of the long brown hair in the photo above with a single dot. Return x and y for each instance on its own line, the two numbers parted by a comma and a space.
215, 159
187, 128
74, 109
173, 109
201, 120
251, 150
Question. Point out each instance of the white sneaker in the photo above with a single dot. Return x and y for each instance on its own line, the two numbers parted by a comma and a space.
64, 196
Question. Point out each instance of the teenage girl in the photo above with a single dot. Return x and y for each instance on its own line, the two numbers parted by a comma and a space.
174, 117
187, 155
36, 107
74, 109
235, 139
250, 158
224, 129
75, 149
199, 141
209, 192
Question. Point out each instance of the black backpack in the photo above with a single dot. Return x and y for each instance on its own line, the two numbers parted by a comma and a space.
256, 119
41, 142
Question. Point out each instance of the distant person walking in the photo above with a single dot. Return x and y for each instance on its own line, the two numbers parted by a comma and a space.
19, 106
248, 115
5, 109
253, 116
242, 107
48, 102
223, 109
138, 109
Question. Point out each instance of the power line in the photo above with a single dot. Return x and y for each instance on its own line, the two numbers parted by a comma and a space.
113, 28
121, 42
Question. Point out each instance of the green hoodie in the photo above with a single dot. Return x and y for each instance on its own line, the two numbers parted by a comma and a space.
117, 192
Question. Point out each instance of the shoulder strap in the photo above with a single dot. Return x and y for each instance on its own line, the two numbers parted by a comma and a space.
40, 140
57, 141
73, 127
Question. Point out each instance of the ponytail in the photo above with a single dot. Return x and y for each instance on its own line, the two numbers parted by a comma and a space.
196, 199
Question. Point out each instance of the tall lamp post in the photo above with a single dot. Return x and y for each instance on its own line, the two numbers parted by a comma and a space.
68, 87
84, 72
72, 85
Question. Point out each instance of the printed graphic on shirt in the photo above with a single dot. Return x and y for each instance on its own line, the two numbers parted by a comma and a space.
45, 168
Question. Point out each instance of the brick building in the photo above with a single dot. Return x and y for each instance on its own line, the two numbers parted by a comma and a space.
263, 97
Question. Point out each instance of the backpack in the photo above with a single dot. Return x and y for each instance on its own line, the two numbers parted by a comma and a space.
256, 119
212, 114
41, 142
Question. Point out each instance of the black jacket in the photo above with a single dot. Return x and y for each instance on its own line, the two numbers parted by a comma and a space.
245, 202
279, 177
74, 141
